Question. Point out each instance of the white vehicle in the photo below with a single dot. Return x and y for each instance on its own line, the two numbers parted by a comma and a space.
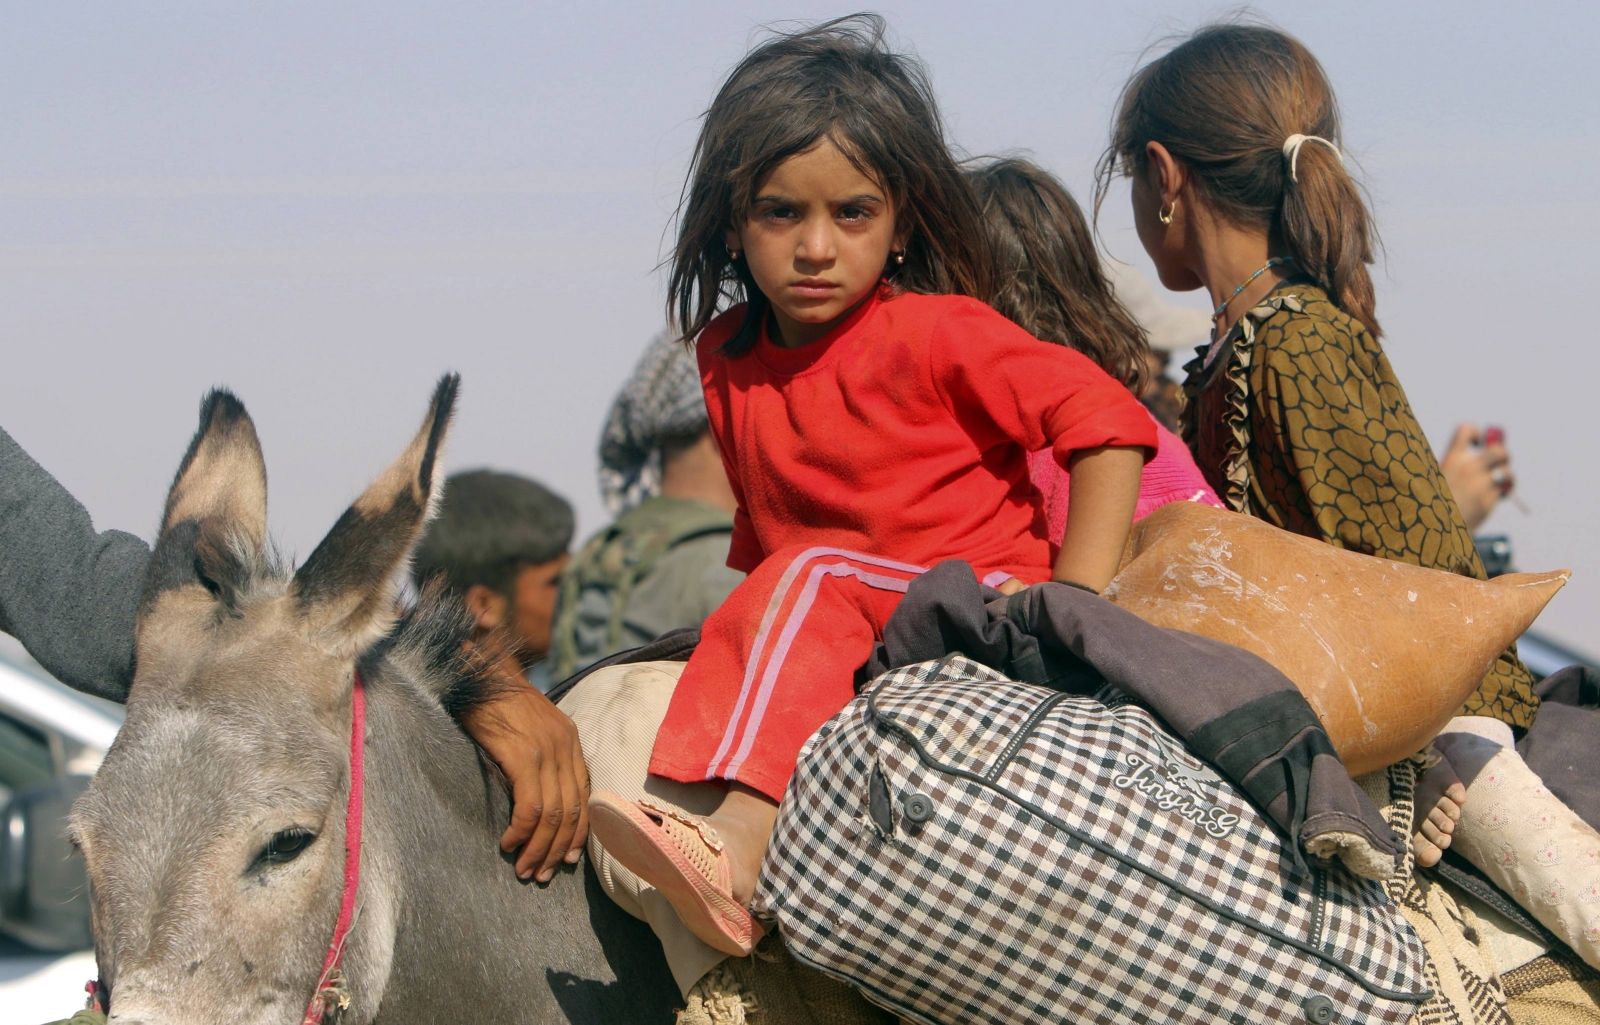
52, 739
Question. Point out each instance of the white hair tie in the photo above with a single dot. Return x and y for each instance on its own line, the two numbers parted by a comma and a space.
1291, 151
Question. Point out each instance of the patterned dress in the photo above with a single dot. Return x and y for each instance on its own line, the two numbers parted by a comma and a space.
1298, 419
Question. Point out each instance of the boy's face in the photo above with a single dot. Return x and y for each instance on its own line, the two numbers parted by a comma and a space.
528, 615
533, 606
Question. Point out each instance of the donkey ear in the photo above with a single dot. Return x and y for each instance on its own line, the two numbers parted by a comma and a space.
348, 588
214, 527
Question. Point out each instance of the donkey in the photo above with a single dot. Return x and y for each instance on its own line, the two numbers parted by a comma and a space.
214, 831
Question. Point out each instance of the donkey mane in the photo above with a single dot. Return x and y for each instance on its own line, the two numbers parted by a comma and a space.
434, 640
433, 637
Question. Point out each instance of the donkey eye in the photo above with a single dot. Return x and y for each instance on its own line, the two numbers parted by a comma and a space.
286, 845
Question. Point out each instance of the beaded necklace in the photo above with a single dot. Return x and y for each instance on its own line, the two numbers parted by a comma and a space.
1222, 307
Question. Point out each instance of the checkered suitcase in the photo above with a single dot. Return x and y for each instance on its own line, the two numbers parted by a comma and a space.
965, 848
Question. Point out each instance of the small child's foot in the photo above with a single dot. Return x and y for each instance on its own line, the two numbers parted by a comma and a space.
681, 857
1439, 798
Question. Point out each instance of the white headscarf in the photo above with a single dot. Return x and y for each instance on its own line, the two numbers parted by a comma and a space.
661, 400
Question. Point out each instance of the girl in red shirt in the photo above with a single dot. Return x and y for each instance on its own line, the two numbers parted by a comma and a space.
874, 419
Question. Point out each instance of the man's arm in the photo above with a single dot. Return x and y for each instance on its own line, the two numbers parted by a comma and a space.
68, 593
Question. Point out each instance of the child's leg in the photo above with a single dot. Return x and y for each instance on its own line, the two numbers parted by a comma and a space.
1523, 837
744, 820
775, 662
618, 711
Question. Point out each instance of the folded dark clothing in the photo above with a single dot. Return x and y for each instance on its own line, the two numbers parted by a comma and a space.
1559, 746
1230, 707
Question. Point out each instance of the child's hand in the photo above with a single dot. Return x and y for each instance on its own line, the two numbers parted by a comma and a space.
1011, 586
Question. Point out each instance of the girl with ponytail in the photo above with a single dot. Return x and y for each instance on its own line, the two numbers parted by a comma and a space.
1294, 414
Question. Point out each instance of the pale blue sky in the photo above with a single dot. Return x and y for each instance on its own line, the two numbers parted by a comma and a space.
324, 206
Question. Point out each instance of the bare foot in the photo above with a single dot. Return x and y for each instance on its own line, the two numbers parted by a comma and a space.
1439, 798
743, 822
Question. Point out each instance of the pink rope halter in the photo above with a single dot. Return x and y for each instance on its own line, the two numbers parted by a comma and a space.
332, 990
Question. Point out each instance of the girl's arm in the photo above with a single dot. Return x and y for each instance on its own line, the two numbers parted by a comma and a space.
1102, 493
1036, 395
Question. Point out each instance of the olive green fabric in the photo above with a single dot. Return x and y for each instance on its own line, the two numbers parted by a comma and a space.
661, 566
1300, 421
83, 1018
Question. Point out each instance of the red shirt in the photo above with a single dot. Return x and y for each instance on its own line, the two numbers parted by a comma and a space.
905, 433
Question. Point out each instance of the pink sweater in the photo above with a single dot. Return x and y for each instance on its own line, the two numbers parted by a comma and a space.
1171, 476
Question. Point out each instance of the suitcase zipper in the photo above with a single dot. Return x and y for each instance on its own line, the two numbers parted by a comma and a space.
1319, 907
1023, 734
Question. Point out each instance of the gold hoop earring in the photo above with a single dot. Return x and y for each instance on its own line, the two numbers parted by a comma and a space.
1165, 216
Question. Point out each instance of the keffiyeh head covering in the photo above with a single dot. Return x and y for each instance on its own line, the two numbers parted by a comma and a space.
662, 400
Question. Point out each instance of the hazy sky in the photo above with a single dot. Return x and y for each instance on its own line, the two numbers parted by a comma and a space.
324, 206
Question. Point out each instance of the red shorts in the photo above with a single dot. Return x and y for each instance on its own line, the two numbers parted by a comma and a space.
775, 662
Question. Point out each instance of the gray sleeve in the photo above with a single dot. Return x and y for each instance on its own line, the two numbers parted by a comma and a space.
69, 594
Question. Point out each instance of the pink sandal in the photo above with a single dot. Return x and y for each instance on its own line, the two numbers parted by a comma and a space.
681, 857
